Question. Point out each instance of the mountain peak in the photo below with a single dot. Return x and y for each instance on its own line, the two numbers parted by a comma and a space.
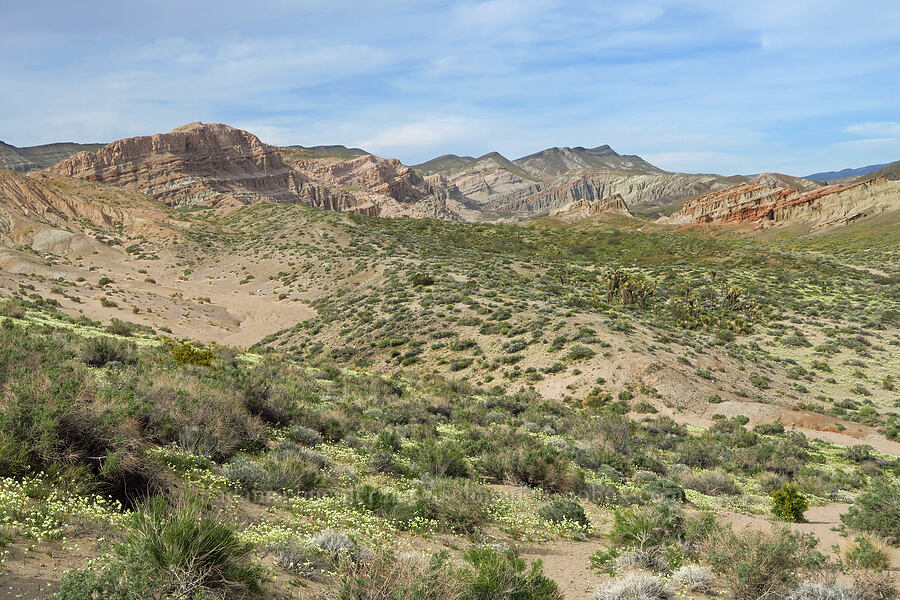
560, 160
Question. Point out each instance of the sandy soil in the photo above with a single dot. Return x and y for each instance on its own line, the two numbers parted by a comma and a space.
34, 574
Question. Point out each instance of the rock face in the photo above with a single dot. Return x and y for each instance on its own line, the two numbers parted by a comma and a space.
764, 203
549, 180
585, 209
374, 186
217, 165
647, 190
197, 164
490, 178
45, 213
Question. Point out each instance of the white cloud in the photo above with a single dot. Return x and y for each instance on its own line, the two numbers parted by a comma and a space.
421, 132
888, 129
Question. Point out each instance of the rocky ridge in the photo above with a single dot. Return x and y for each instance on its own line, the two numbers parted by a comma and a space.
218, 165
213, 164
647, 190
586, 209
764, 203
374, 186
551, 179
196, 164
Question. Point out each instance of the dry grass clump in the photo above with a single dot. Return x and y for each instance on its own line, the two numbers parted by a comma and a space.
634, 587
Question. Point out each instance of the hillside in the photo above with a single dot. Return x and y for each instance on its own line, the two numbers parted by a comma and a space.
890, 172
447, 162
557, 161
551, 179
309, 379
771, 200
845, 173
33, 158
336, 151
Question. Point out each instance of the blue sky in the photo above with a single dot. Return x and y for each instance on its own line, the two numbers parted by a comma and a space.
795, 86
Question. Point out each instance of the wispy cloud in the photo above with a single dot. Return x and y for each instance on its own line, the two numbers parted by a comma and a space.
888, 129
427, 132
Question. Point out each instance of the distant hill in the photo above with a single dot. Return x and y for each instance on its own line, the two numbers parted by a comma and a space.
890, 171
556, 161
33, 158
845, 173
301, 152
441, 164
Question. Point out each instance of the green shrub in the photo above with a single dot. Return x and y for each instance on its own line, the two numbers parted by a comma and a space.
866, 553
12, 309
187, 551
380, 502
656, 525
420, 278
534, 464
712, 483
877, 510
304, 435
296, 474
667, 489
579, 352
247, 474
391, 577
201, 415
564, 510
769, 428
789, 504
458, 505
118, 581
186, 353
102, 350
118, 327
502, 576
859, 453
444, 458
458, 364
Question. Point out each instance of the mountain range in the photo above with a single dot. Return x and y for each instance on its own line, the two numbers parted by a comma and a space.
216, 165
846, 173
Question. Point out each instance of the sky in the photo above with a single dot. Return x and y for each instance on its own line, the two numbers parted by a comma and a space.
794, 86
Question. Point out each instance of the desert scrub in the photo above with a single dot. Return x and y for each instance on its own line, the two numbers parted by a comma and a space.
102, 350
695, 578
319, 557
565, 512
519, 520
866, 552
876, 511
459, 506
761, 564
311, 515
498, 574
